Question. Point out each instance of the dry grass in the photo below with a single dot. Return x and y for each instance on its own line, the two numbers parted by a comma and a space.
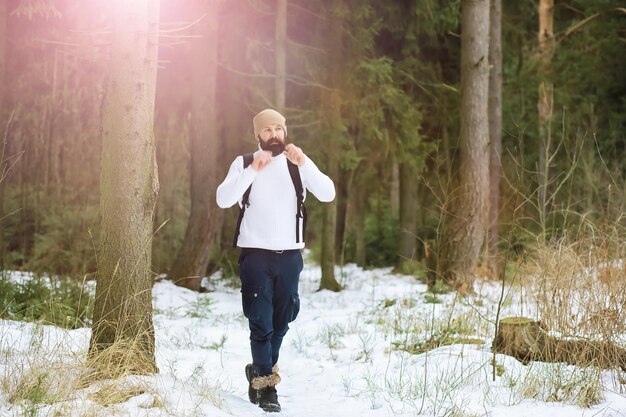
117, 392
578, 288
122, 358
38, 373
559, 383
39, 382
38, 376
576, 291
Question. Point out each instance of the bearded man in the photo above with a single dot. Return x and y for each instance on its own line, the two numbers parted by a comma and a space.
270, 186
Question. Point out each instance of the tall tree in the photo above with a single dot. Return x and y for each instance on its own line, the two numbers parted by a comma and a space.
3, 48
233, 92
204, 217
341, 188
408, 214
129, 188
495, 126
466, 208
280, 57
544, 104
331, 122
3, 139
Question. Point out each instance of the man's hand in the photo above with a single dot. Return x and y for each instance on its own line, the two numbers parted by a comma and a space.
294, 154
261, 159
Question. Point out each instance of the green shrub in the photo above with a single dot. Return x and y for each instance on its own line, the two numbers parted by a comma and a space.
59, 301
381, 234
65, 244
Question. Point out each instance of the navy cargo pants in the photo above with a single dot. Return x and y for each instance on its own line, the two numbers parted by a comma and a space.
270, 300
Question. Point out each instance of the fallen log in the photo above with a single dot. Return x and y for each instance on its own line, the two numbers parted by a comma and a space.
528, 340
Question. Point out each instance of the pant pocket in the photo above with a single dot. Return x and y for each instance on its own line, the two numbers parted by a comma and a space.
250, 303
295, 306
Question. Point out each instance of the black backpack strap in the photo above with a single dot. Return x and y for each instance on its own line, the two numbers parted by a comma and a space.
247, 160
294, 172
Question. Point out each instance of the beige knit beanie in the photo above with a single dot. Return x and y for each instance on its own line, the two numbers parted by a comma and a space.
268, 117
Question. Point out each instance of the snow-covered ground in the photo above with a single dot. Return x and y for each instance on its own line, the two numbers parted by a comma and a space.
351, 353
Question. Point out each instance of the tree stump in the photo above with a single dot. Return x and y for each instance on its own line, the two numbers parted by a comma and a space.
520, 337
527, 340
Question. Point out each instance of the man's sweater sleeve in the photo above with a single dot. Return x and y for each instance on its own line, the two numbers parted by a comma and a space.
317, 182
235, 184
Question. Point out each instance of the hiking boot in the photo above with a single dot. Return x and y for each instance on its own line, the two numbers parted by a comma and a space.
268, 399
253, 394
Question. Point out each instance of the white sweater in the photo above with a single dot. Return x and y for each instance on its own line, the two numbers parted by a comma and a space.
270, 220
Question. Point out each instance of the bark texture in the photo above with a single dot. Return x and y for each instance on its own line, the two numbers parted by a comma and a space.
467, 205
3, 48
359, 204
331, 120
204, 216
232, 90
341, 186
122, 326
544, 103
280, 56
3, 138
495, 128
408, 214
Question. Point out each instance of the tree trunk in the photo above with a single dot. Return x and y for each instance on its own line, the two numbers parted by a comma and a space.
204, 217
3, 126
408, 214
544, 103
331, 121
233, 91
495, 128
341, 185
528, 340
358, 195
395, 188
3, 62
280, 56
329, 222
328, 280
466, 214
122, 340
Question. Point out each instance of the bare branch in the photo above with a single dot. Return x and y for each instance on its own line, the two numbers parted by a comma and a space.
304, 46
588, 20
305, 10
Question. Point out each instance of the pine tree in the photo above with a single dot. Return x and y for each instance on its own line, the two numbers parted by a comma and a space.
465, 218
495, 127
123, 334
205, 218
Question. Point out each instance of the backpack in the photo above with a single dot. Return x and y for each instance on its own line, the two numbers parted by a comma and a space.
294, 173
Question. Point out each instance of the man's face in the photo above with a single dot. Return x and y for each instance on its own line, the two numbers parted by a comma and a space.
271, 132
272, 138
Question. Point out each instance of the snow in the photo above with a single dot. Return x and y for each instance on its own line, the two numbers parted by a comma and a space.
341, 357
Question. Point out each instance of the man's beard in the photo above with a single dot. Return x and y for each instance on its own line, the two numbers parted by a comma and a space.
275, 145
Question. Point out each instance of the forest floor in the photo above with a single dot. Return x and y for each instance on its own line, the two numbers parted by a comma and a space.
384, 346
